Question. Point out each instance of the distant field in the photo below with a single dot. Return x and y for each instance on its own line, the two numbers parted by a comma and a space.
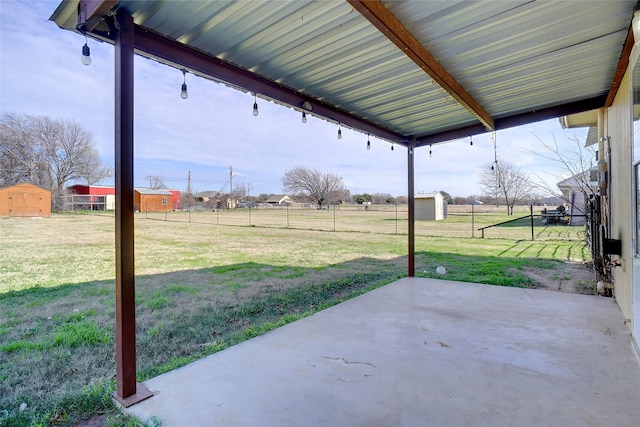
382, 219
212, 282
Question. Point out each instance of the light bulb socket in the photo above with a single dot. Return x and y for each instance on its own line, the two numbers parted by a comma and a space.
183, 93
86, 55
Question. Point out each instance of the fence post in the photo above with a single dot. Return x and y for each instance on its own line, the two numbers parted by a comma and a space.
473, 220
287, 215
249, 215
531, 210
396, 217
334, 217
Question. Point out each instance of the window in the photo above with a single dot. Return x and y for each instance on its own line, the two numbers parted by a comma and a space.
164, 200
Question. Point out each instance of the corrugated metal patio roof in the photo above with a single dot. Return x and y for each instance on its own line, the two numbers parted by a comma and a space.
362, 63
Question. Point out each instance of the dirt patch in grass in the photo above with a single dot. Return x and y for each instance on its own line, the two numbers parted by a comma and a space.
94, 421
570, 277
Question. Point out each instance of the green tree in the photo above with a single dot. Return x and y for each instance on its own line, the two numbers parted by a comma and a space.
447, 197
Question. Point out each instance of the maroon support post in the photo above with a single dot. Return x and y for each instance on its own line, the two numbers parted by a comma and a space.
411, 214
128, 391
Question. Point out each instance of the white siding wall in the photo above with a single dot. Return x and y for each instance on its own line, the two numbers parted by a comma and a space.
618, 126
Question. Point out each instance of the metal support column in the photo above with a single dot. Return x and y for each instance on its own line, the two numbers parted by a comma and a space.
412, 205
128, 391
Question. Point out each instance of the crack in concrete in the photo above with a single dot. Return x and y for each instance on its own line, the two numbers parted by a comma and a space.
348, 362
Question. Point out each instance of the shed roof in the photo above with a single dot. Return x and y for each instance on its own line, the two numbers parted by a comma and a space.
153, 192
429, 195
579, 180
432, 71
24, 185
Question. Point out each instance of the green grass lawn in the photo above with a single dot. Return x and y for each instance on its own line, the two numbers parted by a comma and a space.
201, 287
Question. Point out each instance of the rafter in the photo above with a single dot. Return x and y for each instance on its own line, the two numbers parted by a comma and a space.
376, 13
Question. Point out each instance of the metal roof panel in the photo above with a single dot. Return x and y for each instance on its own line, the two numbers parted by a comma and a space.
511, 57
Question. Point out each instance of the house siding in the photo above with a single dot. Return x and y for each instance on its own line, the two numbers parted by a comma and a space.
619, 127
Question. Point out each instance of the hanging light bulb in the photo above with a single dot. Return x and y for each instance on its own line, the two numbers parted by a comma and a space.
470, 140
430, 153
86, 52
304, 117
392, 146
368, 143
255, 106
183, 93
339, 132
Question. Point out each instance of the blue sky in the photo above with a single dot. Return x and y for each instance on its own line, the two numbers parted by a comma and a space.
41, 74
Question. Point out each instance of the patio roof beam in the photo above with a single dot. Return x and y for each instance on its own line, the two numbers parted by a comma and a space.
517, 120
171, 52
376, 13
89, 10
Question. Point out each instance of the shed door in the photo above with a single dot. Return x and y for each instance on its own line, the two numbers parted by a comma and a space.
24, 204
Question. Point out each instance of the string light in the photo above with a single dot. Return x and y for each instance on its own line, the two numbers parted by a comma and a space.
430, 153
471, 140
255, 105
339, 132
368, 143
86, 52
392, 146
183, 92
304, 117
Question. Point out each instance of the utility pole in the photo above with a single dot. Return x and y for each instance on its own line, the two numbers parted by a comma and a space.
230, 179
189, 197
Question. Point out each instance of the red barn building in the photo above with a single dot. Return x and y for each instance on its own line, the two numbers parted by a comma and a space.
93, 197
176, 199
145, 199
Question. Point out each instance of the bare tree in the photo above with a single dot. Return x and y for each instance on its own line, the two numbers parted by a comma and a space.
577, 162
322, 188
47, 152
156, 182
507, 182
93, 170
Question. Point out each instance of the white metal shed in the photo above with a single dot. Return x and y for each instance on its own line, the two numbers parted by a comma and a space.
431, 206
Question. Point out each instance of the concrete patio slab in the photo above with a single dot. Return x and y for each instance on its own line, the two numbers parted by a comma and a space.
419, 352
